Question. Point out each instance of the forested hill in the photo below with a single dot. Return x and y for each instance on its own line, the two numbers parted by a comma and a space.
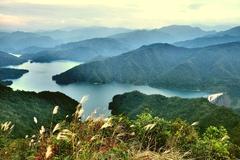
191, 110
164, 65
20, 107
137, 66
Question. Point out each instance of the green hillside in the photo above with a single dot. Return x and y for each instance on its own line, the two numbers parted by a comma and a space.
20, 107
191, 110
117, 137
213, 69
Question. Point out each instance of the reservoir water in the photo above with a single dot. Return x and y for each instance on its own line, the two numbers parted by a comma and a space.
39, 78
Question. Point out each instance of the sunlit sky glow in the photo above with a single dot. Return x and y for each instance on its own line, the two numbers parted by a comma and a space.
53, 14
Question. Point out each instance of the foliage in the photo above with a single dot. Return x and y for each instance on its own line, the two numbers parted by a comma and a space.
20, 107
164, 65
118, 137
192, 110
214, 143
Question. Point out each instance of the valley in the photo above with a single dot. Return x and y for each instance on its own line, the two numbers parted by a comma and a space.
106, 92
40, 75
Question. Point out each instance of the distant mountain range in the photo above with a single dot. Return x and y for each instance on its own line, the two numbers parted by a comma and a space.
16, 41
169, 34
86, 50
192, 110
231, 35
180, 35
213, 68
80, 51
27, 42
79, 34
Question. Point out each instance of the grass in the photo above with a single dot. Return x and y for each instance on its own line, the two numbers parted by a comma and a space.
116, 138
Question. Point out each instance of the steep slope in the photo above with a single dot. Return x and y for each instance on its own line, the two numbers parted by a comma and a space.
142, 66
213, 69
231, 35
192, 110
164, 65
7, 59
80, 51
20, 107
219, 99
210, 66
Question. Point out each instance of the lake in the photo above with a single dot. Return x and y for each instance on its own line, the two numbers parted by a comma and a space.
40, 75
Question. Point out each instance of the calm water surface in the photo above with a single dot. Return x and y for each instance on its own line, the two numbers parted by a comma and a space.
40, 75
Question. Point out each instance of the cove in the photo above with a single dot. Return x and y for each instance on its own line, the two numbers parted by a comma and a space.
40, 75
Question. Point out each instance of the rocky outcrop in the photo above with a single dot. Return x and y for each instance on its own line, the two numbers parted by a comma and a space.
220, 99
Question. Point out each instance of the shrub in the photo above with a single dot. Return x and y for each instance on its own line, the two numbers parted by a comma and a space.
117, 137
214, 144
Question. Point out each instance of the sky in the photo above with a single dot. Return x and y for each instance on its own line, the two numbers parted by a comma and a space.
54, 14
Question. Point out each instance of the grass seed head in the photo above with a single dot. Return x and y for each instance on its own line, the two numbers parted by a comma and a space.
42, 130
195, 124
48, 152
65, 134
149, 126
83, 100
55, 110
56, 128
107, 124
35, 120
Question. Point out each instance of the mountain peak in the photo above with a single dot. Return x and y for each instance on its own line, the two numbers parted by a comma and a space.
159, 45
180, 27
235, 31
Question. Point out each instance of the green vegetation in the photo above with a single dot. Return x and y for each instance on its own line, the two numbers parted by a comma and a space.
6, 83
20, 107
192, 110
117, 137
213, 68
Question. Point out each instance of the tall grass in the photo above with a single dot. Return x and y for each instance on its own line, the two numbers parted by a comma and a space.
115, 137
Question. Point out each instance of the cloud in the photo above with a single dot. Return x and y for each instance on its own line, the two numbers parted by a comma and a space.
64, 11
125, 13
195, 6
8, 20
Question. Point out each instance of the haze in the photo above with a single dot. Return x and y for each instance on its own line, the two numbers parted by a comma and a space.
33, 15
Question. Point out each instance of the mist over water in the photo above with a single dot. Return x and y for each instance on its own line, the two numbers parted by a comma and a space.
40, 75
